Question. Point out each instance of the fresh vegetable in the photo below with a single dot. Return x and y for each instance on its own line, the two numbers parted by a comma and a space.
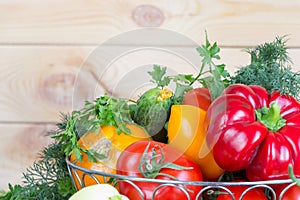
186, 134
238, 191
292, 193
48, 178
98, 192
104, 111
108, 143
179, 119
155, 160
199, 97
270, 68
249, 129
153, 107
264, 155
152, 111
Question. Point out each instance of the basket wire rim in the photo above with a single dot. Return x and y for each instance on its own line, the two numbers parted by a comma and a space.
197, 183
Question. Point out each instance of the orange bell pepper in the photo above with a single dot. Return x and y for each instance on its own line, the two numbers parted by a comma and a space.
187, 134
109, 143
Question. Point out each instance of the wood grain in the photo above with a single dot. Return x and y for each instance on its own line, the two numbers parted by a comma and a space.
39, 82
231, 22
57, 54
19, 148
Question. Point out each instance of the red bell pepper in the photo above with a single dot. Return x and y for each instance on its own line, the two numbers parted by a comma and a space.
247, 128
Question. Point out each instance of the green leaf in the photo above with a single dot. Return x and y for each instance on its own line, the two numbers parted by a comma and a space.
209, 52
218, 78
158, 76
47, 178
205, 54
64, 186
179, 92
214, 50
270, 67
78, 154
12, 194
183, 78
215, 86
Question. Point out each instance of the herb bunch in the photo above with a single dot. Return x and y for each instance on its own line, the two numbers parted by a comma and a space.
48, 177
216, 77
270, 67
104, 111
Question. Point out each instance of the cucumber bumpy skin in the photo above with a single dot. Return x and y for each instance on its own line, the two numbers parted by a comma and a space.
152, 112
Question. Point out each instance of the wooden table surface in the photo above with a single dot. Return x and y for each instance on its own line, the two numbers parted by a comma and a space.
44, 44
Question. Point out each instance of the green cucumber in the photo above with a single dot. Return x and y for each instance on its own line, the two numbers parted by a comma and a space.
152, 112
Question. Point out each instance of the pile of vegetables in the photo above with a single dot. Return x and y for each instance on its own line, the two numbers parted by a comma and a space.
244, 127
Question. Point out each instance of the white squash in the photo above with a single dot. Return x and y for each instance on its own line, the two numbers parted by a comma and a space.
98, 192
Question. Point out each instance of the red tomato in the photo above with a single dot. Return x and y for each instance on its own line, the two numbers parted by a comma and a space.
147, 153
199, 97
293, 193
253, 194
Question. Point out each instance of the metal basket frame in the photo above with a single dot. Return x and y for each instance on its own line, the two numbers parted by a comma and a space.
206, 185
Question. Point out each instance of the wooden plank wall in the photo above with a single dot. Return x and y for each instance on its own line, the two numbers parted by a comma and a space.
44, 44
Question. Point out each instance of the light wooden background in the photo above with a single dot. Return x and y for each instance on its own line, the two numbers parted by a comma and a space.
43, 45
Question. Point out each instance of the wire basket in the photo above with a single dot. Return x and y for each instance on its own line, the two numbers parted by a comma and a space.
79, 174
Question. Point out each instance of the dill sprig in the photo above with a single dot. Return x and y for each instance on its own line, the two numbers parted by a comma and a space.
270, 68
48, 177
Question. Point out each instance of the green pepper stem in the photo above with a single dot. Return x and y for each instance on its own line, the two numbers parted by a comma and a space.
271, 117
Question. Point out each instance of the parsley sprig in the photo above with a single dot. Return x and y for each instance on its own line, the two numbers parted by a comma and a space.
159, 76
110, 111
183, 82
104, 111
218, 77
211, 75
48, 177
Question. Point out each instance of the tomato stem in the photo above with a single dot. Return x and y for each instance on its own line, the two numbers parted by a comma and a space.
292, 175
151, 165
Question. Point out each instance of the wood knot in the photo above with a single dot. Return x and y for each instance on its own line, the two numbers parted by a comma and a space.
35, 138
148, 16
58, 88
